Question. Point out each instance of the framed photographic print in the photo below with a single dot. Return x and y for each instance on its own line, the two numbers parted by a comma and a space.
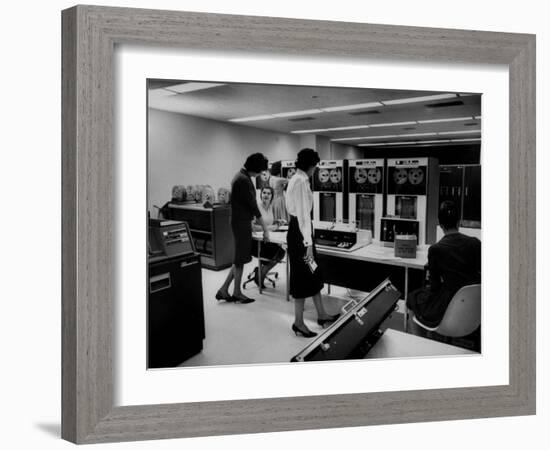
161, 112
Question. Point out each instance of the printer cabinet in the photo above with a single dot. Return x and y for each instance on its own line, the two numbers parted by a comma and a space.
211, 232
175, 310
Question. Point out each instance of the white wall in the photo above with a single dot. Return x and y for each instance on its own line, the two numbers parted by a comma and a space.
190, 150
30, 334
343, 151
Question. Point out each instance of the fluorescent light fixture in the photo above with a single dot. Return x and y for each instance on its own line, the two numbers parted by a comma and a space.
191, 87
438, 141
459, 132
403, 143
465, 140
450, 119
298, 113
309, 131
372, 145
402, 101
353, 127
477, 117
252, 118
394, 124
352, 107
357, 138
417, 134
277, 115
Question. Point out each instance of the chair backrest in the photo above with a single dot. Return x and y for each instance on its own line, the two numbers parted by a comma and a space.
463, 315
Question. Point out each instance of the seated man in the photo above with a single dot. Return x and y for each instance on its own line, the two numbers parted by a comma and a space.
453, 262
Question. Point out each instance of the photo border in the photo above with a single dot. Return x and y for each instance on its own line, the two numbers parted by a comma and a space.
89, 37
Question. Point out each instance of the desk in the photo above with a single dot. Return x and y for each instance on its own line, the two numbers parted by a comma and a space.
396, 344
373, 253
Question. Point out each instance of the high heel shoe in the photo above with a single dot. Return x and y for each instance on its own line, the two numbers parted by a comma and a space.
306, 334
328, 321
227, 298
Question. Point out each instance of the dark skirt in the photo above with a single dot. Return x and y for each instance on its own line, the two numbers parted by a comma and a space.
268, 251
242, 235
303, 283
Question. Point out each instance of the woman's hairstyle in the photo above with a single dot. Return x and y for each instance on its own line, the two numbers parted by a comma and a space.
307, 157
276, 168
256, 163
448, 215
270, 189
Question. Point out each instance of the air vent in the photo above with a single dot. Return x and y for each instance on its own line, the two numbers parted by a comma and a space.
364, 113
445, 104
301, 119
409, 128
471, 124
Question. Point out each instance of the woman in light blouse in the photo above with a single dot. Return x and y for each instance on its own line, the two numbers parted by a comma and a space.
269, 251
305, 278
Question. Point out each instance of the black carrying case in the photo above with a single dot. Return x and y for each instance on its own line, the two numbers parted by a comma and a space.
357, 329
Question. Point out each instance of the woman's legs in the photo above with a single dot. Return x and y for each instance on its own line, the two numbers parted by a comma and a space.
224, 289
299, 312
238, 275
318, 302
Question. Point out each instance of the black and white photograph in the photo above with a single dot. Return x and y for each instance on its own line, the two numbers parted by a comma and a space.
294, 224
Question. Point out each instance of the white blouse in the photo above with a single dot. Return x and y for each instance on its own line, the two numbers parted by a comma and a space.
299, 203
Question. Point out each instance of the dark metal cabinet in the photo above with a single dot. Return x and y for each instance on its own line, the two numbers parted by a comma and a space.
450, 184
211, 232
471, 205
175, 310
462, 185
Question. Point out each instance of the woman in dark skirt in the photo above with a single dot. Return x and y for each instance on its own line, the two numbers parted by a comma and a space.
243, 209
305, 277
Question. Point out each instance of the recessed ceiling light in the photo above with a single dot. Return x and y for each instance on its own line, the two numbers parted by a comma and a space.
297, 113
417, 134
191, 87
352, 107
402, 101
459, 132
252, 118
465, 140
320, 130
450, 119
394, 124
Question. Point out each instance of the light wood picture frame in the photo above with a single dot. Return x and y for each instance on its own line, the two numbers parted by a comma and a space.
89, 36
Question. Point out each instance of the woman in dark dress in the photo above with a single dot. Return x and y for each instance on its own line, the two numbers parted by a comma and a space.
243, 209
305, 277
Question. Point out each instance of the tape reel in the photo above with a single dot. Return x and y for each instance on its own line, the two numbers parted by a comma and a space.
400, 176
323, 175
360, 176
374, 175
416, 176
335, 176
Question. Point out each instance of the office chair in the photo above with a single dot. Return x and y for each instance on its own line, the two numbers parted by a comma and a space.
463, 315
271, 277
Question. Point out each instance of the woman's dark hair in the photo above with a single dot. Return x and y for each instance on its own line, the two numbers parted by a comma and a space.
276, 168
270, 189
256, 163
307, 157
448, 215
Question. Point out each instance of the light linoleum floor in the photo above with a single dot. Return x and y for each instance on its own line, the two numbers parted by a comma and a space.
259, 332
